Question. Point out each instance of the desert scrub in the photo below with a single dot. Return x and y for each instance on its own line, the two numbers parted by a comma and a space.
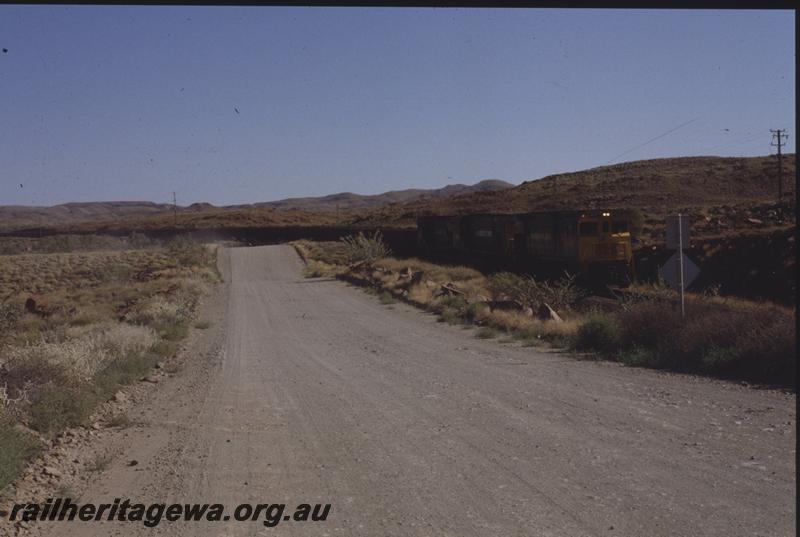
528, 327
729, 339
638, 357
454, 302
187, 252
159, 310
486, 332
56, 407
16, 449
75, 243
121, 372
474, 310
386, 298
318, 269
110, 315
560, 294
363, 248
86, 348
327, 252
9, 315
452, 309
598, 332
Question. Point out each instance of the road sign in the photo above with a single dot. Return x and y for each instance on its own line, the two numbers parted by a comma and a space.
677, 231
670, 271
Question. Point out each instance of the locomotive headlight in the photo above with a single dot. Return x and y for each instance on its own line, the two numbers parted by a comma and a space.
606, 214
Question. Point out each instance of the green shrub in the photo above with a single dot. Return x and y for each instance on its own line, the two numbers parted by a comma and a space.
754, 342
165, 348
506, 284
57, 407
116, 273
16, 449
486, 332
451, 316
173, 331
455, 302
638, 357
525, 334
121, 372
474, 309
10, 313
386, 298
598, 332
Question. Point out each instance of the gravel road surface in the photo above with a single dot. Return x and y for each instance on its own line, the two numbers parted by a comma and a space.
310, 391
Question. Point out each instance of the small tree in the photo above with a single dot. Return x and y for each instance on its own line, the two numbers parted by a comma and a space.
360, 248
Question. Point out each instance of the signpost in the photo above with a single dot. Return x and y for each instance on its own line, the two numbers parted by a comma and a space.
679, 271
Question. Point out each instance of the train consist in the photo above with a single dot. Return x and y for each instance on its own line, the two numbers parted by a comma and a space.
595, 243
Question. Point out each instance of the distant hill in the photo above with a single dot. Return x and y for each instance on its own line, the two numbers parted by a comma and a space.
22, 216
348, 200
19, 217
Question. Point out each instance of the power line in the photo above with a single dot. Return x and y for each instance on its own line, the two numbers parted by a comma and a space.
652, 140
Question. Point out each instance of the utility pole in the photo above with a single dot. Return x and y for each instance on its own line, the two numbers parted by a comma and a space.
778, 136
175, 208
680, 263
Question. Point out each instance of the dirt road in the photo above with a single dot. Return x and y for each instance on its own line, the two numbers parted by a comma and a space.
316, 393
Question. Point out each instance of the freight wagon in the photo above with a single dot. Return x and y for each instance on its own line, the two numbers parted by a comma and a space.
593, 243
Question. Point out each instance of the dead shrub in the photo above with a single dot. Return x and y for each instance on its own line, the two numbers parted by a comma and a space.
560, 294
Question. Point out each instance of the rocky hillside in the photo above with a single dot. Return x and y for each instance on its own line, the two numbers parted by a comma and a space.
722, 194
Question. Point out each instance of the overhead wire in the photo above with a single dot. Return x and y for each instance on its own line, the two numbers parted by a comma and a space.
651, 140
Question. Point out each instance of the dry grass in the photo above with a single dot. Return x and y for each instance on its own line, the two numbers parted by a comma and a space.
107, 318
441, 273
84, 349
515, 322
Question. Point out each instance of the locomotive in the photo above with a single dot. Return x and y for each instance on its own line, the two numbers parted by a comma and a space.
592, 243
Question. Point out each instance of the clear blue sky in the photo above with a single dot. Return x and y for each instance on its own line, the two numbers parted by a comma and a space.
130, 103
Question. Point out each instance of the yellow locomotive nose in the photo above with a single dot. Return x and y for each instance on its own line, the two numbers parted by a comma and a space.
604, 238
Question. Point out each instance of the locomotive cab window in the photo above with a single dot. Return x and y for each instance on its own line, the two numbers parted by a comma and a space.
619, 227
605, 226
587, 229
